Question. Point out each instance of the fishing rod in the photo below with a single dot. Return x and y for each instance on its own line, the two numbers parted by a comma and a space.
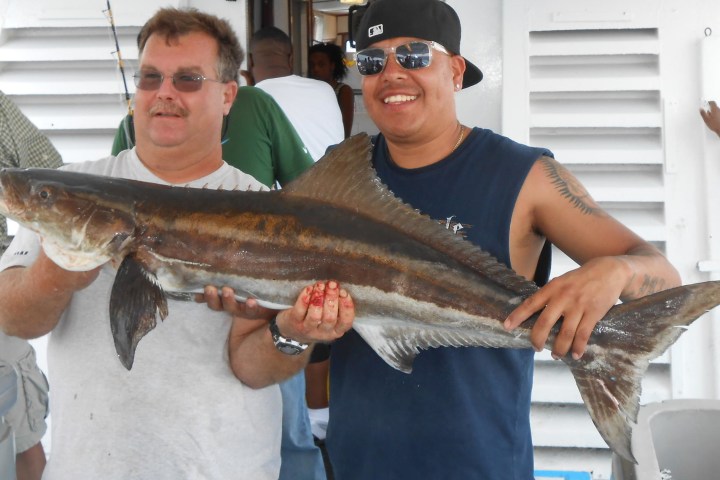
127, 123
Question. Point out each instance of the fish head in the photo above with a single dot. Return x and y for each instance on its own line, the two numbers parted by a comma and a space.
83, 220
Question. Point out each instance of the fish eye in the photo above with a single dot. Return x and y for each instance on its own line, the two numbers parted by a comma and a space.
44, 194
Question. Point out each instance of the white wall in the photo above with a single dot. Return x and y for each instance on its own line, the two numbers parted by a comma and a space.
481, 43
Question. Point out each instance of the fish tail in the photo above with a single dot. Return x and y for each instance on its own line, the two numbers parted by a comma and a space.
610, 372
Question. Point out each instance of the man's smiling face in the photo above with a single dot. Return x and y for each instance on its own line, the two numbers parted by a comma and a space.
406, 103
166, 117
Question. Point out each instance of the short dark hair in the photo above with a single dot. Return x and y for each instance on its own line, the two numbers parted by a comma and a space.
270, 34
172, 23
336, 56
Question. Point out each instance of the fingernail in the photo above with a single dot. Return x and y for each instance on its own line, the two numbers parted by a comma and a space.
332, 285
555, 356
577, 356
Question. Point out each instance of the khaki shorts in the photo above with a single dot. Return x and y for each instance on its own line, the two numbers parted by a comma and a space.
27, 416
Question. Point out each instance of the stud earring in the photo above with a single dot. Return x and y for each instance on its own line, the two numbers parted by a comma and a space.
457, 87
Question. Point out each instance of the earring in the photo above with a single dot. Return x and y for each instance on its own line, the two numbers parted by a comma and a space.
457, 87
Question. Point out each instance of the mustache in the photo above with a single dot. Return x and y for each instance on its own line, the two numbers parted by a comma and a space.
167, 108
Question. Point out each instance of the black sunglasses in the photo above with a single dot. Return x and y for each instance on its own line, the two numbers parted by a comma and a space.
411, 56
182, 81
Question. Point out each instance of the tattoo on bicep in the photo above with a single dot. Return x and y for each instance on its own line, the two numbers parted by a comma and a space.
570, 188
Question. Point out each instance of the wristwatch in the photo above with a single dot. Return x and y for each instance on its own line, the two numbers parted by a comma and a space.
287, 346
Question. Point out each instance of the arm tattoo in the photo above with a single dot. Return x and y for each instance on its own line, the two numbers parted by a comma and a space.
648, 286
570, 188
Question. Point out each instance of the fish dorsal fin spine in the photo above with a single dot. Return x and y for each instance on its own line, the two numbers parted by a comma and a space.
345, 177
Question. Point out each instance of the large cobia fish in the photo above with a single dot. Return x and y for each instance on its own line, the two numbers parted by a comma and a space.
416, 285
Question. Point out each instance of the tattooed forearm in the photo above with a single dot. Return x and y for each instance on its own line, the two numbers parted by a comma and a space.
570, 188
649, 285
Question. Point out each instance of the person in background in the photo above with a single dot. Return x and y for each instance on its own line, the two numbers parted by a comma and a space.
201, 400
309, 104
711, 117
464, 412
311, 107
27, 416
326, 62
257, 138
22, 145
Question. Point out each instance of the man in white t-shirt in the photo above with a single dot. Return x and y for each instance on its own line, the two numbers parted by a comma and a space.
309, 104
200, 401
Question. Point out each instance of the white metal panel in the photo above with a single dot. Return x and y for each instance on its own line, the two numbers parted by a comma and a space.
602, 145
587, 84
63, 44
599, 42
564, 425
80, 13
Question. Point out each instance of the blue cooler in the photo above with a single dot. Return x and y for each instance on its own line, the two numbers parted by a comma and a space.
8, 395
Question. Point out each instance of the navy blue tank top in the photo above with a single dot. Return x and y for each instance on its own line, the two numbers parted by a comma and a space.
463, 413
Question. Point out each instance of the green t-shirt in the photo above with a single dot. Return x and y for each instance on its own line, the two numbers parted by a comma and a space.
259, 140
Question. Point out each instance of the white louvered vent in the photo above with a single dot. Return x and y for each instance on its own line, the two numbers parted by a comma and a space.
66, 80
595, 101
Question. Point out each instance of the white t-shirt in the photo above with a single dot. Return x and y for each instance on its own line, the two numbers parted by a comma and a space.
180, 413
312, 108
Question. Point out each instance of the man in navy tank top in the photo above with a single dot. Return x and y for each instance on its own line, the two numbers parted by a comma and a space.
463, 413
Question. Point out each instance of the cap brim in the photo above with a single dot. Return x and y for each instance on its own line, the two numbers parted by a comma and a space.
472, 74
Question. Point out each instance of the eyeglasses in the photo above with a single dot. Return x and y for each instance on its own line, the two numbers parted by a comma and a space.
182, 81
410, 56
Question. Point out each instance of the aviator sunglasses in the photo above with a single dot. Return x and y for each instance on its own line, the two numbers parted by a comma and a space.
410, 56
182, 81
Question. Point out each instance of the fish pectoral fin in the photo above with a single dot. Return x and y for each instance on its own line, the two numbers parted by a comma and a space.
397, 345
135, 300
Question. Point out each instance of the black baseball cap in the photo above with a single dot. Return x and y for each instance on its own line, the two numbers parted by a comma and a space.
431, 20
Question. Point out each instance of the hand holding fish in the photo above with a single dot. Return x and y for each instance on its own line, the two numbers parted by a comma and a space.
225, 299
322, 313
580, 297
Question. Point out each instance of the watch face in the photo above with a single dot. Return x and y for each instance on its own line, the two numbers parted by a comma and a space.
289, 349
285, 345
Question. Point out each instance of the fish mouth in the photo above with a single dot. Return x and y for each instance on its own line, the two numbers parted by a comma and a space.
12, 194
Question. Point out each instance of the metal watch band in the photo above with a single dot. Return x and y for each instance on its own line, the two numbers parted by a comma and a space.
285, 345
